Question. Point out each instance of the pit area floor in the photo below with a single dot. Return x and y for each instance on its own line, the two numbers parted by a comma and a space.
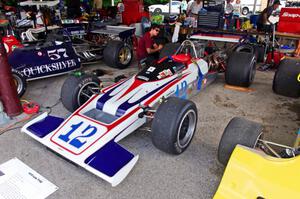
195, 174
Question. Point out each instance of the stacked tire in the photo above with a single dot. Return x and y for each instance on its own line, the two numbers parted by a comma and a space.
286, 81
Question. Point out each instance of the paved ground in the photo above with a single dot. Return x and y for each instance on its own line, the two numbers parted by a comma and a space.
194, 174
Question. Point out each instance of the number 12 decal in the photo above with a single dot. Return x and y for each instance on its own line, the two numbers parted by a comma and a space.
79, 140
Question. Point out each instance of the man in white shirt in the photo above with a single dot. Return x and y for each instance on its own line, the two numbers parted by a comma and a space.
194, 9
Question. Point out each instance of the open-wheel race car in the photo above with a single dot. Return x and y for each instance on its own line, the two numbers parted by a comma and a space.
90, 136
41, 52
158, 93
255, 169
58, 54
98, 40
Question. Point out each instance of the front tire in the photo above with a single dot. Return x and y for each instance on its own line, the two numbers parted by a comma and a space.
238, 131
174, 125
20, 82
77, 90
117, 55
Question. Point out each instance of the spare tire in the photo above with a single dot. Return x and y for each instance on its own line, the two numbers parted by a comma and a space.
77, 90
241, 68
169, 49
117, 54
285, 80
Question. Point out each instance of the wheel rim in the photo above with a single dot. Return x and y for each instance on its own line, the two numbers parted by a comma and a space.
186, 129
86, 91
125, 55
18, 82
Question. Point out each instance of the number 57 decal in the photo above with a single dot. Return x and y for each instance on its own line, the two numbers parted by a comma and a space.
81, 139
57, 53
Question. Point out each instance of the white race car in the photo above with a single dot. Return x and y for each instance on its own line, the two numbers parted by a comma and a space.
158, 93
160, 8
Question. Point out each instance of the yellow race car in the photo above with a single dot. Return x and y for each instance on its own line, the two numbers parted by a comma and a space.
254, 169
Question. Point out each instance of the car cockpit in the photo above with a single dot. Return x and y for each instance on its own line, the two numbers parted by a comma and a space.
169, 65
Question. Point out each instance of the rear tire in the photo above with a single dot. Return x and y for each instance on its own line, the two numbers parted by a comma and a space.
174, 125
117, 55
77, 90
238, 131
285, 80
168, 50
20, 82
241, 69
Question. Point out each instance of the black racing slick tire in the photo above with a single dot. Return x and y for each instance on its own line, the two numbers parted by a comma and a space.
241, 69
286, 80
174, 125
77, 90
20, 82
168, 50
117, 54
238, 131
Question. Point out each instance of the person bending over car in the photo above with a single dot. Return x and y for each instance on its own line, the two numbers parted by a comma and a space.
148, 50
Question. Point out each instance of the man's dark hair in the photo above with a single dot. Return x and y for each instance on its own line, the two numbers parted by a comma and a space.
276, 2
153, 26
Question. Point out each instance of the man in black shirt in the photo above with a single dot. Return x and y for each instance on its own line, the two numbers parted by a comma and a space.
263, 18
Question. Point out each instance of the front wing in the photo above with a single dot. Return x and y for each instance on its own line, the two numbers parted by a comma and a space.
80, 144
